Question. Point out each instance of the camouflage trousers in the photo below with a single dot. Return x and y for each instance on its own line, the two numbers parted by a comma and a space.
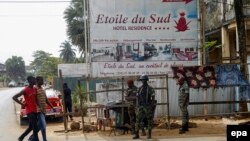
184, 113
132, 116
141, 113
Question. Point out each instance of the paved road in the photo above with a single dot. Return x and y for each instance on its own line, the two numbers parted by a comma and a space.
10, 128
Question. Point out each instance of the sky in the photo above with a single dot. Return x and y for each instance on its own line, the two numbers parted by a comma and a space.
29, 26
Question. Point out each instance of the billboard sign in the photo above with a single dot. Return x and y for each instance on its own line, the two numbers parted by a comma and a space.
73, 70
134, 37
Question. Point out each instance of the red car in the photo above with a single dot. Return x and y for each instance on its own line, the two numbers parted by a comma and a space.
53, 97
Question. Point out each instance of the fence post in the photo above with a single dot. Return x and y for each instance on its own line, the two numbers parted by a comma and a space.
168, 102
122, 117
81, 104
63, 99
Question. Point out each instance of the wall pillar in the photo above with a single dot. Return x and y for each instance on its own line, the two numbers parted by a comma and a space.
225, 44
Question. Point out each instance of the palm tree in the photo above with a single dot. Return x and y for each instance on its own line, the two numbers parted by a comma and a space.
75, 24
67, 53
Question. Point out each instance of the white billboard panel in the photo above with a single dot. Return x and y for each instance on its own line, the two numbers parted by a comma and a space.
142, 32
73, 70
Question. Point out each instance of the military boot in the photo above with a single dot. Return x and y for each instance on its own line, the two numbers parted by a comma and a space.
132, 131
182, 130
149, 134
186, 127
143, 133
136, 135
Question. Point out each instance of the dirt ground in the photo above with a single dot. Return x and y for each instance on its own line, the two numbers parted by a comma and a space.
198, 127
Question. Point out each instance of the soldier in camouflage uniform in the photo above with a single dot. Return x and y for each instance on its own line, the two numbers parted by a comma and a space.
130, 97
145, 107
183, 104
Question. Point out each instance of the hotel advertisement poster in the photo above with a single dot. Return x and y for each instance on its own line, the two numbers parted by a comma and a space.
135, 37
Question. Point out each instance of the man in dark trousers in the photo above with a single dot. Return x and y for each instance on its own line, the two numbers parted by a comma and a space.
29, 94
130, 97
183, 104
145, 106
67, 99
42, 102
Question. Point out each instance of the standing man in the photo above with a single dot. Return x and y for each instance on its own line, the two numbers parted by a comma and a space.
42, 100
67, 99
183, 104
130, 97
145, 106
29, 94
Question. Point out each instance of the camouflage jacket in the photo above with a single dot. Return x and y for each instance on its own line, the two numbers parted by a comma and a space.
130, 93
184, 94
145, 95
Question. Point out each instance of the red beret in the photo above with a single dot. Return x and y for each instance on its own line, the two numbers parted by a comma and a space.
130, 82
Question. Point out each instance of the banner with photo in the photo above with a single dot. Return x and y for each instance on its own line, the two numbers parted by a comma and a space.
196, 76
142, 33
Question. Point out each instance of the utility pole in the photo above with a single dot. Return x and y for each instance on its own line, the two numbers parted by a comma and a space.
86, 40
202, 43
240, 22
202, 33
